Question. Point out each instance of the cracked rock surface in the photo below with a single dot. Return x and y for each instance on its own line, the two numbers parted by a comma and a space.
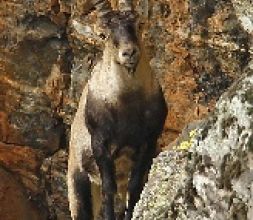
213, 179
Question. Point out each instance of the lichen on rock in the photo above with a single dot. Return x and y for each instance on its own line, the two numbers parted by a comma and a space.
214, 179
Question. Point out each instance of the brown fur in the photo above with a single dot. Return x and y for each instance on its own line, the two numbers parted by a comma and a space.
120, 116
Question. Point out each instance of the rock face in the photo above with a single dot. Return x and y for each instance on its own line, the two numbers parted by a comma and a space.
54, 171
204, 50
214, 179
29, 52
14, 201
197, 48
25, 163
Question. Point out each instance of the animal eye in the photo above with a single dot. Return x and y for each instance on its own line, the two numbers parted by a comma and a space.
102, 36
139, 25
124, 54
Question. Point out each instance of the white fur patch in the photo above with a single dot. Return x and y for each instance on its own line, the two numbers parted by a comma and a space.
110, 79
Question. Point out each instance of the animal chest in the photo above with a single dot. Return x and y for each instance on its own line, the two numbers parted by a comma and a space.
123, 121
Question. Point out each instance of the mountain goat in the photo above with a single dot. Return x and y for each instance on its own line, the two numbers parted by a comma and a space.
121, 113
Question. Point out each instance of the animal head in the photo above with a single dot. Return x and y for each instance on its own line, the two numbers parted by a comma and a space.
119, 31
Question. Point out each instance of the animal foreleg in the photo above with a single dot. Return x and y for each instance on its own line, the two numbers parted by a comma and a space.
136, 182
79, 195
107, 172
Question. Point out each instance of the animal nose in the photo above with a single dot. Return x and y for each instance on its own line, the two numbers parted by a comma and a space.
128, 53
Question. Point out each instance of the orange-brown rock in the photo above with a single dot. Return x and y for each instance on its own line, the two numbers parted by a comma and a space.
197, 49
15, 203
24, 162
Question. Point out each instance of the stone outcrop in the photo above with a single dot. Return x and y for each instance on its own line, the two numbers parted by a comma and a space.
213, 178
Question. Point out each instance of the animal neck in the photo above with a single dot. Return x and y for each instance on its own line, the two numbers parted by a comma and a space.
107, 57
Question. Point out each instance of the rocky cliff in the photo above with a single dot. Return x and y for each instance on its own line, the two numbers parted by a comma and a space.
209, 173
198, 48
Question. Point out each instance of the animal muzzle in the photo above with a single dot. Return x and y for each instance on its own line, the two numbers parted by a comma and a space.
129, 56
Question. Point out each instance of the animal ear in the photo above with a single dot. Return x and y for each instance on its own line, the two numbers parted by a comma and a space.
89, 33
93, 32
139, 24
103, 26
101, 6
